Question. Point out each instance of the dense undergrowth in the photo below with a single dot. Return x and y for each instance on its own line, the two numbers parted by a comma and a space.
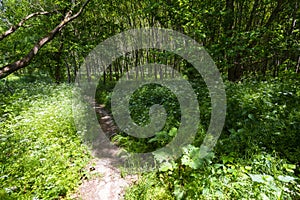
41, 154
256, 157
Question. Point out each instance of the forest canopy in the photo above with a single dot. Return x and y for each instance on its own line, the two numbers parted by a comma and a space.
258, 37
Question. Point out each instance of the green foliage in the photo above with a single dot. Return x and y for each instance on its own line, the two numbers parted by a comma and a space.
245, 40
220, 179
139, 106
257, 156
151, 94
263, 114
192, 157
42, 156
150, 187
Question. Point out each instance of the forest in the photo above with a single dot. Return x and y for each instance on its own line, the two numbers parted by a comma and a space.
251, 48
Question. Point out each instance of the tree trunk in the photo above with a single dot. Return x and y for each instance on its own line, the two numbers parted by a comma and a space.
275, 12
253, 12
12, 67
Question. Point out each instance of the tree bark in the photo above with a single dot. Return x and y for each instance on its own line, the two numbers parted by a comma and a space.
229, 18
12, 67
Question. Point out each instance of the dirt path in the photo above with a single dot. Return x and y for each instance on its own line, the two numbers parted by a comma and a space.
110, 185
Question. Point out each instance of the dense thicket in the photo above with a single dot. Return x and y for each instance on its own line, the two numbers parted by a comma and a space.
256, 37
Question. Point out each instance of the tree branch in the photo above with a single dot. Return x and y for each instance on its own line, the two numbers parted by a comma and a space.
10, 68
20, 24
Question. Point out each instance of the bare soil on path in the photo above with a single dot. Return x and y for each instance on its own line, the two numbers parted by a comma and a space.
110, 185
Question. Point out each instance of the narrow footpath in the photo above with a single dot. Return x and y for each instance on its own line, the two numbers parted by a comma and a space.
109, 185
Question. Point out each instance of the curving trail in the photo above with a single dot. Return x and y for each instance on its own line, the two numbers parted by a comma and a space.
110, 185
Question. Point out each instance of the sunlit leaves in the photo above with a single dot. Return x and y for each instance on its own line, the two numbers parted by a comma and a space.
41, 153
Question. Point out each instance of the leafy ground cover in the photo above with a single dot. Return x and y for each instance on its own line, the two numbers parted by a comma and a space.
41, 154
257, 155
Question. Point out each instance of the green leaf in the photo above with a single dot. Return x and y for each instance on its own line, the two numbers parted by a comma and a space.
173, 132
166, 166
289, 167
178, 192
192, 157
251, 116
259, 178
286, 179
256, 178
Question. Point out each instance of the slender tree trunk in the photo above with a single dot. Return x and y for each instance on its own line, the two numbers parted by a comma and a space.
293, 24
104, 74
298, 66
275, 12
110, 72
68, 71
253, 12
136, 64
